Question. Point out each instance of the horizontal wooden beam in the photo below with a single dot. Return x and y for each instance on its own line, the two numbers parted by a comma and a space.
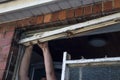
72, 30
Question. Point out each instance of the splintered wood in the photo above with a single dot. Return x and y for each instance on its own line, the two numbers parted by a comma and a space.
72, 30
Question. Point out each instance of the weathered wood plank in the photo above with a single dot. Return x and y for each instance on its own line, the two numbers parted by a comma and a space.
74, 29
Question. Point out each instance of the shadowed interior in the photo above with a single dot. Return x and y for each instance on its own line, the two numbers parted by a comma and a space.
80, 46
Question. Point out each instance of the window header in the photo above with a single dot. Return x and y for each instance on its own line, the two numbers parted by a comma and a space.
72, 30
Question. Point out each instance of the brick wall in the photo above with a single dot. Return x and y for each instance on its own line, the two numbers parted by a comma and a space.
6, 35
98, 8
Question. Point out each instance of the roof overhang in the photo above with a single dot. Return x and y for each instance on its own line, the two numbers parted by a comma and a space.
21, 4
3, 1
21, 9
72, 30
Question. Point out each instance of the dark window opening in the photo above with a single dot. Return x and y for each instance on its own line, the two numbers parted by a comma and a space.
37, 69
94, 46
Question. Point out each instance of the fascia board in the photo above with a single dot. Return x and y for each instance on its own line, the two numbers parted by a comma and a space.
21, 4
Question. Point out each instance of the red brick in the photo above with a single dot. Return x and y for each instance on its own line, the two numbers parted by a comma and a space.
79, 12
39, 19
9, 35
55, 16
10, 28
87, 10
24, 22
3, 65
97, 8
107, 6
3, 57
70, 13
6, 49
1, 35
2, 29
11, 24
116, 3
62, 15
32, 20
20, 23
4, 42
28, 21
47, 18
1, 74
0, 49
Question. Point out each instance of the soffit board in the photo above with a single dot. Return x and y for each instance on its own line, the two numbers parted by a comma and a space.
21, 9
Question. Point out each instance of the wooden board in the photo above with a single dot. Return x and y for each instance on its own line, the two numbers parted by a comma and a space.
71, 31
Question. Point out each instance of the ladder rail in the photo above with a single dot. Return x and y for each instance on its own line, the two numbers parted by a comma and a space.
67, 63
65, 69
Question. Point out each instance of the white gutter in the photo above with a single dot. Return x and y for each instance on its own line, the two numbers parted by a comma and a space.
72, 30
20, 4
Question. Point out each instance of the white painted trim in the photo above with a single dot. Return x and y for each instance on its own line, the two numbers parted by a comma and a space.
65, 69
86, 26
99, 60
64, 66
20, 4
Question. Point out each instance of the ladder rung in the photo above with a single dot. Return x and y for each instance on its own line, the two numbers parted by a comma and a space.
93, 64
98, 60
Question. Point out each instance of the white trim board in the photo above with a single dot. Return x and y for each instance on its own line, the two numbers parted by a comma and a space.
20, 4
72, 30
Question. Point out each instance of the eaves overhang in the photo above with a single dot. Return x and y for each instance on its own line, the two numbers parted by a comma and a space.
21, 4
4, 1
21, 9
